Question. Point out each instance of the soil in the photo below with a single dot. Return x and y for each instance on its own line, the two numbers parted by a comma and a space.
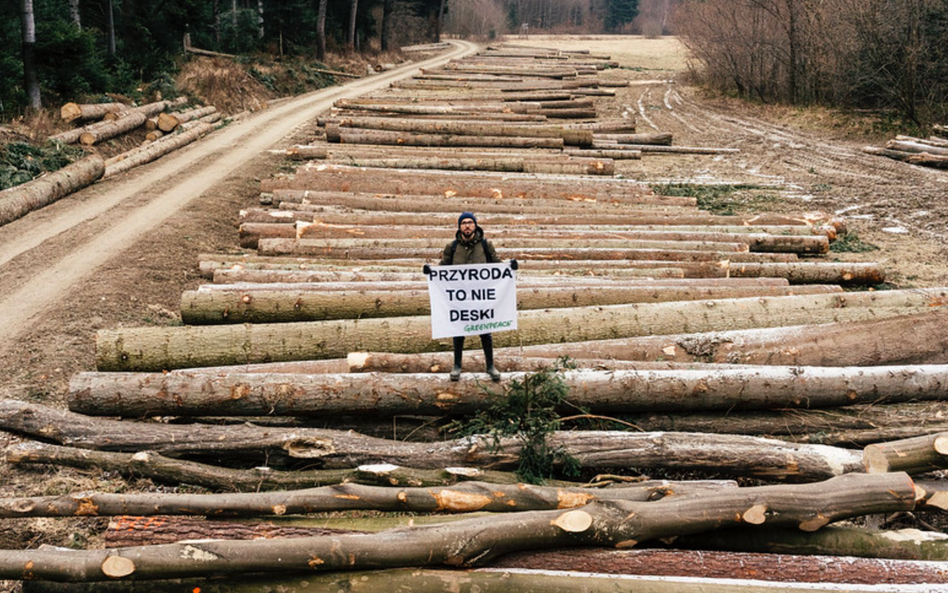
121, 252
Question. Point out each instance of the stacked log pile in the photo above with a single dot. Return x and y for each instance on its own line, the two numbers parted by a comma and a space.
929, 152
725, 349
170, 129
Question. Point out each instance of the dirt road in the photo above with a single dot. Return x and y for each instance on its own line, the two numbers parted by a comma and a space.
44, 256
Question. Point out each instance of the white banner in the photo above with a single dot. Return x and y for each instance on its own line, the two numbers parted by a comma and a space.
472, 299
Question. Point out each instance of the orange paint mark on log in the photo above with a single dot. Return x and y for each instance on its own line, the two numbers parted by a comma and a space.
460, 502
569, 500
315, 561
86, 508
347, 497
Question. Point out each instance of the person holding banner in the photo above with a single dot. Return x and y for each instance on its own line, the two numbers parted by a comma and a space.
472, 284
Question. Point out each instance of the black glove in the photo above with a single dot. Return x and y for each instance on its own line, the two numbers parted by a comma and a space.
426, 269
513, 264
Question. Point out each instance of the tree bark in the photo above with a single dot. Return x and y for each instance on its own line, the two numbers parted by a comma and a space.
18, 201
480, 540
165, 348
720, 455
188, 393
278, 305
28, 45
71, 112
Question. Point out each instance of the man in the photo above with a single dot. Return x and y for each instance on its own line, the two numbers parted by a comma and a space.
470, 247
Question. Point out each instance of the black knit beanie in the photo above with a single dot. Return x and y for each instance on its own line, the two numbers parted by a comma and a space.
465, 215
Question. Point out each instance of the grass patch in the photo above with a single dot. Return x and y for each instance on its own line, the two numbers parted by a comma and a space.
529, 412
721, 199
851, 243
21, 161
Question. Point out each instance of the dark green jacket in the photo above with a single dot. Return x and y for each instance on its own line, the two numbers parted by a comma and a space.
476, 251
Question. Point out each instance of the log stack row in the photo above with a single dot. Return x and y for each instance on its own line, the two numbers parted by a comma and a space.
723, 349
928, 152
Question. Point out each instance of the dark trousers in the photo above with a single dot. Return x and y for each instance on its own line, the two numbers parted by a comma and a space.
487, 343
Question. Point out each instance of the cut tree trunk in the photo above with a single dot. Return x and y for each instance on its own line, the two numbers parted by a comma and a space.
705, 564
282, 305
523, 580
188, 393
482, 184
162, 146
918, 455
570, 136
168, 470
668, 252
845, 273
71, 112
18, 201
384, 137
721, 455
165, 348
112, 129
659, 138
465, 497
905, 544
480, 540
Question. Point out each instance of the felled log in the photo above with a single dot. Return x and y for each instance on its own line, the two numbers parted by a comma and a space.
660, 251
919, 147
420, 580
17, 201
845, 273
658, 138
435, 245
570, 135
282, 305
112, 129
721, 455
165, 348
131, 531
577, 166
917, 455
621, 524
704, 564
481, 184
158, 148
464, 497
169, 470
849, 343
71, 112
187, 393
785, 239
384, 137
833, 540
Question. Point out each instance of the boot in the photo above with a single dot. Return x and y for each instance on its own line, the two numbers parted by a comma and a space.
458, 353
487, 343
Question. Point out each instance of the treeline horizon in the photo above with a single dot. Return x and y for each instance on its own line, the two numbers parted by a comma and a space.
887, 55
74, 48
884, 55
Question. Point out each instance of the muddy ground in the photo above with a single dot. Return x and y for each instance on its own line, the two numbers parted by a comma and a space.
792, 161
